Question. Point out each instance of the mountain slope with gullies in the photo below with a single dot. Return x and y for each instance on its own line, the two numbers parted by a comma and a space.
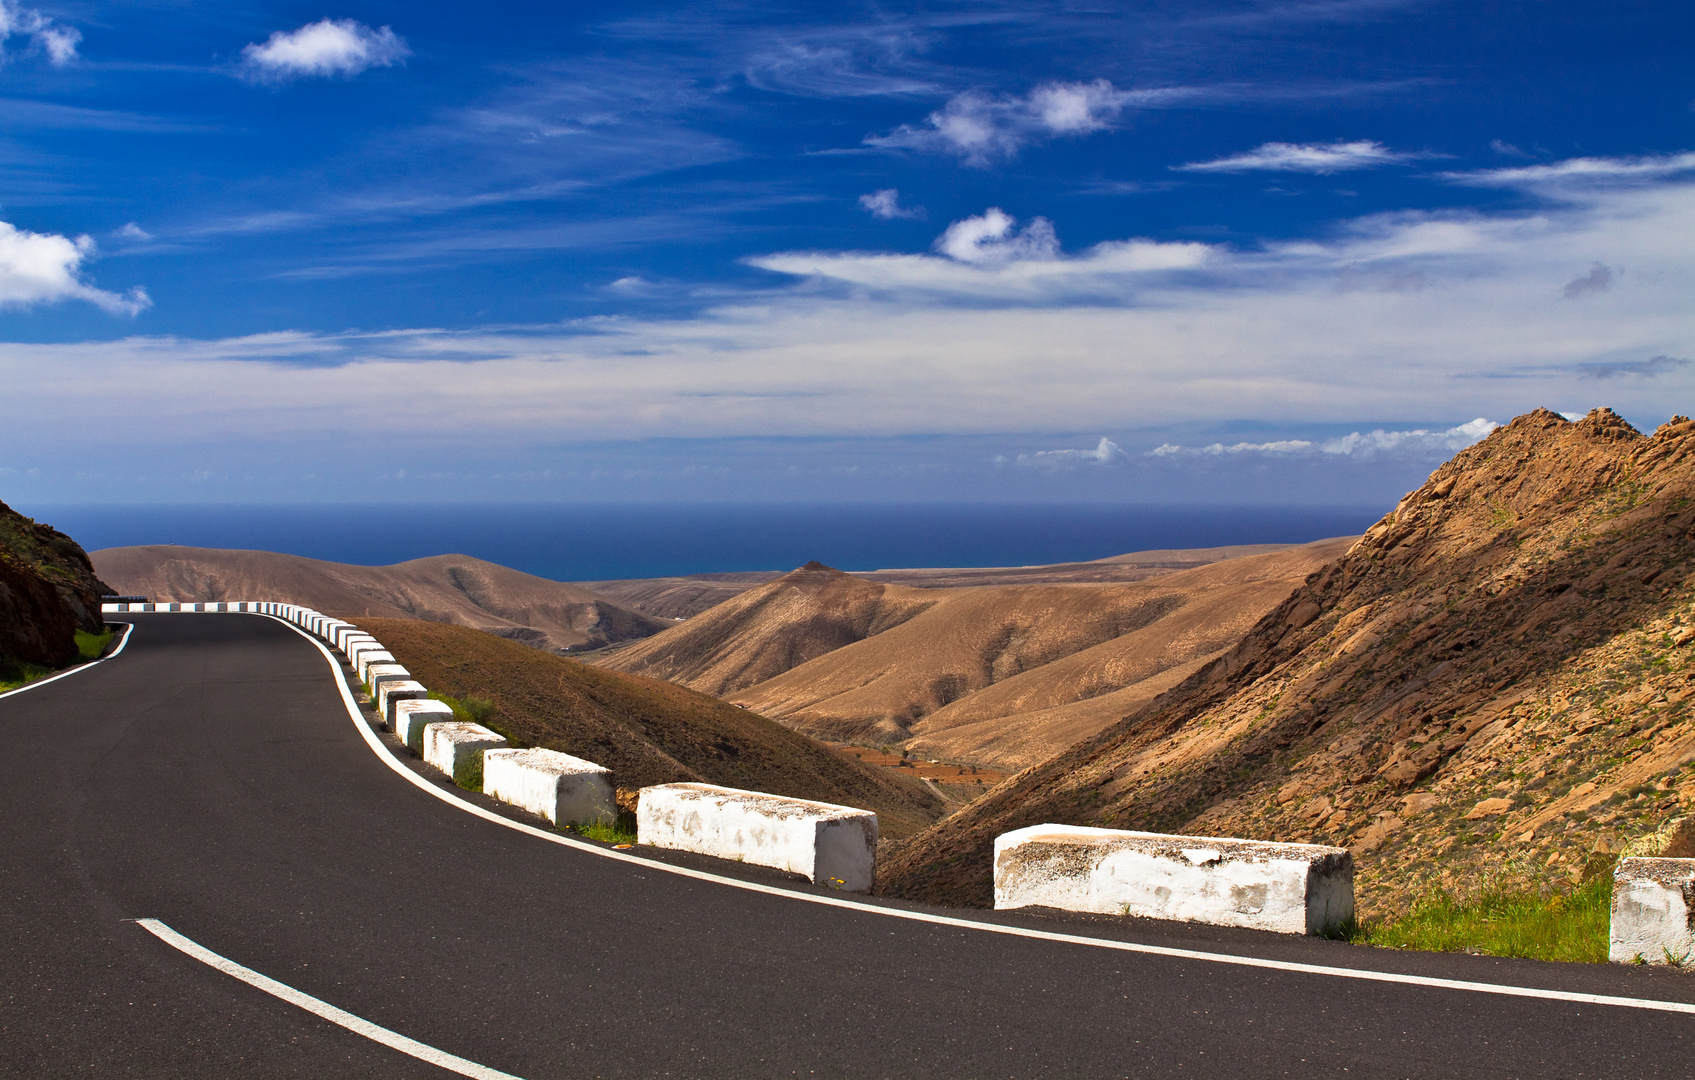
1497, 677
769, 630
962, 678
457, 589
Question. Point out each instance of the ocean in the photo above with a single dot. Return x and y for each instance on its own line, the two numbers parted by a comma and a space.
602, 542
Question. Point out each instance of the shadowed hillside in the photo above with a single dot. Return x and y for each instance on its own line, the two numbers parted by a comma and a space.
1495, 676
443, 588
48, 591
644, 730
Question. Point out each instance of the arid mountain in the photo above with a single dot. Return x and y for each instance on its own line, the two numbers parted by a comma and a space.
644, 730
48, 591
443, 588
770, 629
1493, 679
998, 675
681, 597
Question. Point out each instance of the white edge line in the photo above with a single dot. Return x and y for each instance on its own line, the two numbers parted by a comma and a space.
1431, 982
355, 1024
79, 668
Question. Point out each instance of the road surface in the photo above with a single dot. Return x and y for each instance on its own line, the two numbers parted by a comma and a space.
210, 777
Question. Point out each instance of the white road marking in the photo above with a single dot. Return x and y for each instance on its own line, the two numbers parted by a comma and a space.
79, 668
329, 1012
394, 763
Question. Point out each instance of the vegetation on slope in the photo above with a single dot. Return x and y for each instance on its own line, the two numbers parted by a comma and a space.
645, 731
48, 592
1497, 671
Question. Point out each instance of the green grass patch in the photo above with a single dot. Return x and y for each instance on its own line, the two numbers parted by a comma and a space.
90, 646
624, 832
1504, 921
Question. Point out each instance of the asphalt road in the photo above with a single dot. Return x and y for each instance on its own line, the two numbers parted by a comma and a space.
211, 778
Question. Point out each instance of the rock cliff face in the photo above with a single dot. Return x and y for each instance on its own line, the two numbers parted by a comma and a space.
48, 592
1495, 676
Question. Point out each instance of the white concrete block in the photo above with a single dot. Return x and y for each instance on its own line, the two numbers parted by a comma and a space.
350, 643
563, 789
1653, 911
113, 609
830, 844
369, 657
392, 692
378, 674
347, 633
457, 750
411, 716
1288, 888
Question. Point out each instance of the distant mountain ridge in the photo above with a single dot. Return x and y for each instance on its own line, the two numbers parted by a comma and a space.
442, 588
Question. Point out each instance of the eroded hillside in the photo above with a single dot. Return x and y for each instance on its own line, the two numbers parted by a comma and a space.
1496, 675
998, 675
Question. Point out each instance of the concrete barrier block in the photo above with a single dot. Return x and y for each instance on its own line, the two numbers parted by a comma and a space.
1287, 888
391, 693
1653, 911
378, 674
563, 789
830, 844
411, 716
352, 643
369, 657
346, 634
113, 609
457, 750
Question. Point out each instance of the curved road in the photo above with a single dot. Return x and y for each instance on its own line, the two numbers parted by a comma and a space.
210, 777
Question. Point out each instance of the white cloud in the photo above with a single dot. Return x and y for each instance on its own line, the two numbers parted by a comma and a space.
991, 239
59, 42
927, 345
43, 268
1105, 453
988, 256
132, 231
982, 129
1322, 158
1583, 172
1415, 442
324, 48
885, 205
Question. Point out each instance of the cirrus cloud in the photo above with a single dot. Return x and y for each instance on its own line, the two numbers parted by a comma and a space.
1321, 158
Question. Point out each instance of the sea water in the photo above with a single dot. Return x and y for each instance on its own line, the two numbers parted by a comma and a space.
576, 542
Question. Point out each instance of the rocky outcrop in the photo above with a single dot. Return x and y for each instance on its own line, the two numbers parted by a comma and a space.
48, 591
1498, 674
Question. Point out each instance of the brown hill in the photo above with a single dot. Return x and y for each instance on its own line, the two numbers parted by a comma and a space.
443, 588
770, 629
48, 591
644, 730
681, 597
997, 675
1493, 678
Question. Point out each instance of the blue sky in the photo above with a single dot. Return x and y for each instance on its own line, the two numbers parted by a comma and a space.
1153, 252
